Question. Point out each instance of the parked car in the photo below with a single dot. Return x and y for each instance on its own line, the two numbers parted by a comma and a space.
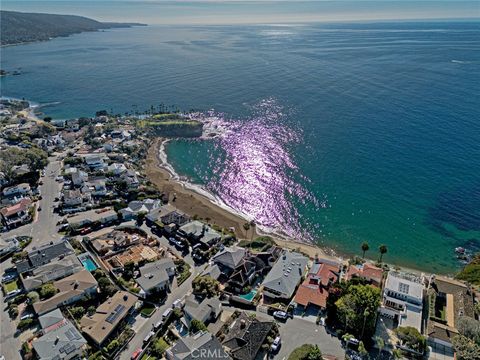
148, 337
26, 316
158, 325
136, 353
282, 315
9, 277
276, 344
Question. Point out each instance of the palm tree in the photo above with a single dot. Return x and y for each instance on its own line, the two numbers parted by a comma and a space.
383, 250
366, 314
252, 225
365, 248
246, 226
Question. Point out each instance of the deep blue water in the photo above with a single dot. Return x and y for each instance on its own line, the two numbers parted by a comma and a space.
338, 133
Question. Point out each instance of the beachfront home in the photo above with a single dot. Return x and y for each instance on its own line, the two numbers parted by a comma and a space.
199, 345
60, 339
137, 207
284, 277
371, 273
198, 232
449, 300
69, 290
155, 276
107, 318
313, 292
229, 258
403, 300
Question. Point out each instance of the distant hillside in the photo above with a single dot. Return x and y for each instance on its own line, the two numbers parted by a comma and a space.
18, 27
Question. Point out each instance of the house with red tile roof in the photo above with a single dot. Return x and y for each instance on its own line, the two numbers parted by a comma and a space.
367, 271
314, 290
17, 214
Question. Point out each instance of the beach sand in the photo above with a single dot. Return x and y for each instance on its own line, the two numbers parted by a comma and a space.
194, 203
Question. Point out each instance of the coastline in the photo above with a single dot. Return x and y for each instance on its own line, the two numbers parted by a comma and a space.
194, 201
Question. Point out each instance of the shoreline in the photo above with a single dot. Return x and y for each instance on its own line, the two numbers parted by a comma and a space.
194, 200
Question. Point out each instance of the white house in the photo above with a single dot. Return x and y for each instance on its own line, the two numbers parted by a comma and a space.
403, 299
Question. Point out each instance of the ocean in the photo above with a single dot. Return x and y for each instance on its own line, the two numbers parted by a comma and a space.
335, 133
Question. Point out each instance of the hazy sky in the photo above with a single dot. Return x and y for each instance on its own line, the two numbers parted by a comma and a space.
235, 12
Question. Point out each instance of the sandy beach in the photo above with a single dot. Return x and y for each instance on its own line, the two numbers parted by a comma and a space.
193, 203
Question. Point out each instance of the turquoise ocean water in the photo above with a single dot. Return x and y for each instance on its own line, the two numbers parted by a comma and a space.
336, 133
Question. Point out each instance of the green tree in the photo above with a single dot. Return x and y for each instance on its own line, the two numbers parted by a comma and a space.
24, 324
365, 248
357, 309
159, 347
306, 352
411, 338
246, 227
361, 350
113, 345
77, 312
465, 348
397, 353
47, 291
383, 250
196, 326
206, 285
33, 296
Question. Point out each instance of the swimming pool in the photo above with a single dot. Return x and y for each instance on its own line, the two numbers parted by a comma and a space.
87, 262
249, 296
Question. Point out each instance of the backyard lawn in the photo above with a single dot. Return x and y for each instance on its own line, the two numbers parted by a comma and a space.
11, 286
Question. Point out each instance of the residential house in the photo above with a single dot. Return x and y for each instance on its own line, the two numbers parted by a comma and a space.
96, 161
403, 300
79, 177
103, 216
206, 310
60, 339
136, 207
135, 254
114, 241
167, 216
117, 168
97, 187
198, 232
20, 170
449, 300
70, 289
19, 191
8, 246
73, 198
313, 292
44, 255
99, 326
245, 337
201, 345
285, 275
56, 269
367, 271
17, 214
130, 178
155, 276
229, 259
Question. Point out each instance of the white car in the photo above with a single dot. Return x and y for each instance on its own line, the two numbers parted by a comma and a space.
26, 316
280, 315
276, 344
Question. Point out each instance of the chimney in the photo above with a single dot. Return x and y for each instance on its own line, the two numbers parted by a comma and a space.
242, 324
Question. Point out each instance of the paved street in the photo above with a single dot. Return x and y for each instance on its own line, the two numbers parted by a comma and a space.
44, 228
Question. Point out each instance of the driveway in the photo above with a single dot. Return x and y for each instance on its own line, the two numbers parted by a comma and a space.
297, 331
